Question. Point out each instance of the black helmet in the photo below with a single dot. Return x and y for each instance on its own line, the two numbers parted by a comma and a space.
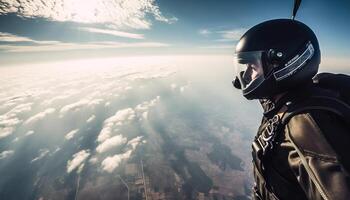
275, 56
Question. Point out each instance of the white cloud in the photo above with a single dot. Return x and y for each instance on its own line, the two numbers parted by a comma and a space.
40, 115
77, 160
56, 150
4, 132
79, 105
105, 133
117, 13
71, 134
173, 86
6, 154
92, 118
146, 105
231, 35
56, 98
145, 115
135, 142
81, 46
19, 109
219, 47
42, 154
93, 160
114, 33
183, 88
31, 132
110, 143
8, 37
127, 88
150, 75
112, 162
112, 123
9, 121
204, 32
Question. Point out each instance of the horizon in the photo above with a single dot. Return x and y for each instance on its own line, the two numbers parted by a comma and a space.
33, 32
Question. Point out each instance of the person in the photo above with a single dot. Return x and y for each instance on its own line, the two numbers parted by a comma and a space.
300, 149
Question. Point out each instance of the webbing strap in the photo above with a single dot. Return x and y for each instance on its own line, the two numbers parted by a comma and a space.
319, 103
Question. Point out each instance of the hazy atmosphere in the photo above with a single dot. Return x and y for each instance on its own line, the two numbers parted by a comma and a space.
132, 99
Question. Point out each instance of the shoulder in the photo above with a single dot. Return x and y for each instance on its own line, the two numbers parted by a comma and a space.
308, 130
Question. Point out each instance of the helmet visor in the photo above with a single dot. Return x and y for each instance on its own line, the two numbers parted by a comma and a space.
249, 69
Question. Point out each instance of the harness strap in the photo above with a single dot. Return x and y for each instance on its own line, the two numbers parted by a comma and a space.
264, 142
318, 103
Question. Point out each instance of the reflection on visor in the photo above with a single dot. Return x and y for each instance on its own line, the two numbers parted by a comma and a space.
252, 72
248, 67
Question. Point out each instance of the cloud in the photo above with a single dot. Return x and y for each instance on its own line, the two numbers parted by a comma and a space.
4, 132
204, 32
42, 154
146, 105
40, 116
150, 75
232, 47
56, 98
6, 154
112, 123
21, 108
71, 134
112, 162
9, 120
93, 160
135, 142
80, 46
56, 150
184, 87
173, 86
8, 37
118, 13
92, 118
29, 133
74, 107
110, 143
114, 33
231, 35
143, 108
77, 160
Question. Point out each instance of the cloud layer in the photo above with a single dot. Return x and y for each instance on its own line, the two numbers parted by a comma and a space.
118, 13
40, 116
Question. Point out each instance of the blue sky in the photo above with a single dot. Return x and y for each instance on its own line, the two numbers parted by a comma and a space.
33, 31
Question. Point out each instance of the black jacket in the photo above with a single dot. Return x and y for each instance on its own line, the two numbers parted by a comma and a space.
309, 156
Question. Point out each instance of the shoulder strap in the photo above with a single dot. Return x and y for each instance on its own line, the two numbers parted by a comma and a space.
325, 103
330, 104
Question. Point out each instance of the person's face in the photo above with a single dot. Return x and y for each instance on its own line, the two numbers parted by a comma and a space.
252, 72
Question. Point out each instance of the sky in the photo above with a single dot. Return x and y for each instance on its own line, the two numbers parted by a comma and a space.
36, 30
